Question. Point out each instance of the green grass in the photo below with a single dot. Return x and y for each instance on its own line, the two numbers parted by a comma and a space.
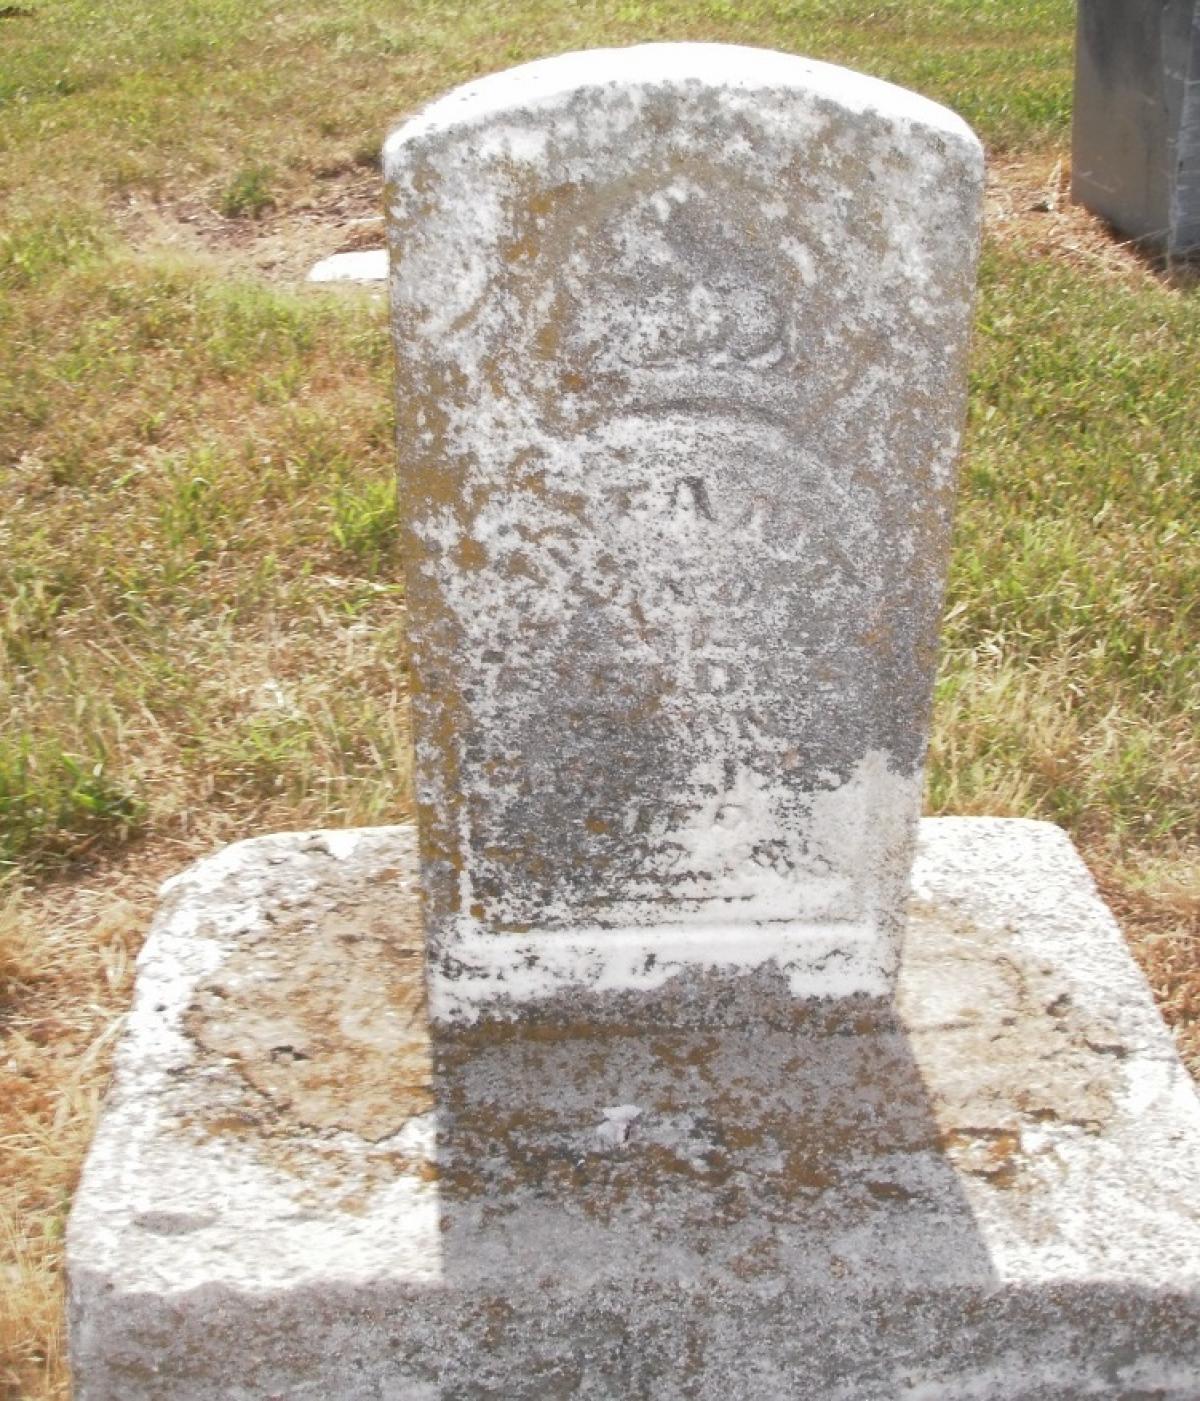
165, 98
192, 458
199, 503
248, 194
1070, 676
199, 467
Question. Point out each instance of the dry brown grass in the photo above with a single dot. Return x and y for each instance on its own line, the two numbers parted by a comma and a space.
1028, 202
66, 969
339, 214
1158, 905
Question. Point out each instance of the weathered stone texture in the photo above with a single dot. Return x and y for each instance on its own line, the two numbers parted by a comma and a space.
681, 334
993, 1193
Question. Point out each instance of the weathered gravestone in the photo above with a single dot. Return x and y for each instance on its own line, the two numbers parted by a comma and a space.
681, 334
1135, 152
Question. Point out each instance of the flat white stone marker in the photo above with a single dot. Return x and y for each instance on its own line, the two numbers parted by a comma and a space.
682, 334
362, 265
679, 486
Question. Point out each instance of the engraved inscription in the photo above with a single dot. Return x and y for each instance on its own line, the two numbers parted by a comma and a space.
672, 591
685, 285
665, 287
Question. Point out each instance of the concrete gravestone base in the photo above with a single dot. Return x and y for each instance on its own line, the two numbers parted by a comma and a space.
993, 1193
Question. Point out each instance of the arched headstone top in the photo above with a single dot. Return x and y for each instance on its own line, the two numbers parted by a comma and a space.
628, 72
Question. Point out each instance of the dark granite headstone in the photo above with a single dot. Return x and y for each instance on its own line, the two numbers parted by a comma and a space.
1136, 142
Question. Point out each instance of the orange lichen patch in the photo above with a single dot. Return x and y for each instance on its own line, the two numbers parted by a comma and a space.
540, 203
330, 1027
808, 1173
993, 1154
470, 554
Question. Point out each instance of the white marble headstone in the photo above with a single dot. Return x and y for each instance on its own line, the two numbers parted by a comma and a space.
681, 333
